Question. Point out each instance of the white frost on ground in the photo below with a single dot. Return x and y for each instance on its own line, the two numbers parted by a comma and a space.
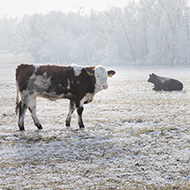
134, 137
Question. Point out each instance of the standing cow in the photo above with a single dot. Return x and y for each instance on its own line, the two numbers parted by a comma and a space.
163, 83
77, 83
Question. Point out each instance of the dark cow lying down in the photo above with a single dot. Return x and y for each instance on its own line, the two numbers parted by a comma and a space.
163, 83
76, 83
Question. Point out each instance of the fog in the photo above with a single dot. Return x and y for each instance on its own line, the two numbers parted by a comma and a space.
149, 33
135, 137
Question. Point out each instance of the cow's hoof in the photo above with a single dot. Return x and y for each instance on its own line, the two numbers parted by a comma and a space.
39, 126
81, 126
67, 124
21, 128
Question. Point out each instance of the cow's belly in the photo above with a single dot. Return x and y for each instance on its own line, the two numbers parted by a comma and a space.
48, 95
53, 96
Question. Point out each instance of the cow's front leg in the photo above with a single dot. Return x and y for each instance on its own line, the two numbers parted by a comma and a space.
80, 121
22, 111
71, 110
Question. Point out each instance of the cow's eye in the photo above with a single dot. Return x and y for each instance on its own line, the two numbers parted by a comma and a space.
97, 76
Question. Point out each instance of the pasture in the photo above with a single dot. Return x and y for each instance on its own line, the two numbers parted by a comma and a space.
135, 138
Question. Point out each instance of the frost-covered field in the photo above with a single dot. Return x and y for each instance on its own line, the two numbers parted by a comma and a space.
134, 138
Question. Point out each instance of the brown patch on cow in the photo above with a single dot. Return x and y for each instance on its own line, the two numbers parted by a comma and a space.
23, 73
90, 70
84, 83
111, 73
60, 76
53, 70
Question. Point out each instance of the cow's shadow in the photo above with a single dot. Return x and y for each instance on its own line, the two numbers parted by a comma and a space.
67, 145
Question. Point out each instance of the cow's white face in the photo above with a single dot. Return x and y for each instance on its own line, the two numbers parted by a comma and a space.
101, 76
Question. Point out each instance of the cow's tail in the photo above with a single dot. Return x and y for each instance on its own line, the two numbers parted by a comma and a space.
17, 98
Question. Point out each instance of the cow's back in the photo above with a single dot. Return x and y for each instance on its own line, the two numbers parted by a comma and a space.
54, 70
173, 84
59, 74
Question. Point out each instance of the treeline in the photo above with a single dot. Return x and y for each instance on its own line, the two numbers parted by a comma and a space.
148, 32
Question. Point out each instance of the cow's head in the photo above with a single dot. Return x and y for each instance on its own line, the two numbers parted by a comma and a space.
101, 75
152, 78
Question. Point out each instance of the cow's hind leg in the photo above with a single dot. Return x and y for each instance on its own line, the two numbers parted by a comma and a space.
80, 121
22, 110
32, 108
71, 110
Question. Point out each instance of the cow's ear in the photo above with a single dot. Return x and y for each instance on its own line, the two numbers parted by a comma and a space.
111, 73
90, 70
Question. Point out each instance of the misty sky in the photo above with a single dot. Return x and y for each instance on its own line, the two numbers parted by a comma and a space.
20, 7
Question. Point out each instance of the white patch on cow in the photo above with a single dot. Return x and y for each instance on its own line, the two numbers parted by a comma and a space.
39, 82
69, 84
77, 69
101, 76
87, 98
36, 67
26, 96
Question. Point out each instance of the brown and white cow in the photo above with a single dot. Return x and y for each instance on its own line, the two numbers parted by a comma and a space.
77, 83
